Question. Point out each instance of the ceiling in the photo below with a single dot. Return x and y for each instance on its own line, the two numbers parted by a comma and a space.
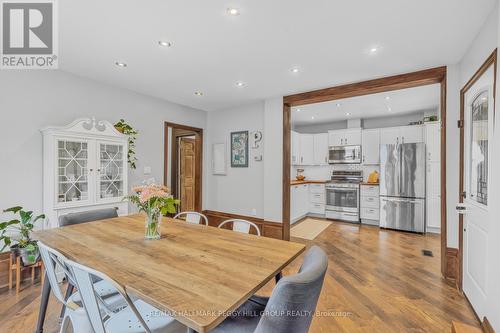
385, 104
328, 41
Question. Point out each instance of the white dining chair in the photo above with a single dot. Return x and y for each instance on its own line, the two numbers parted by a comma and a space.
192, 217
137, 317
242, 226
74, 313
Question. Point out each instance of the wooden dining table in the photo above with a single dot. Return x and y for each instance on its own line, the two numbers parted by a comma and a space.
197, 274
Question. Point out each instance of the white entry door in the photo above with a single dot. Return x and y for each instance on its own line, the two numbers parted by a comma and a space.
478, 129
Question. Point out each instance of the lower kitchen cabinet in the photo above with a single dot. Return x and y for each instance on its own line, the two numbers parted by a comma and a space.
307, 199
370, 204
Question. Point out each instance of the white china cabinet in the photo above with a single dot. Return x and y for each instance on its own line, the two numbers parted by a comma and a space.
84, 167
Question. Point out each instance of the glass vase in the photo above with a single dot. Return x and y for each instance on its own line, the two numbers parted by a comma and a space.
153, 226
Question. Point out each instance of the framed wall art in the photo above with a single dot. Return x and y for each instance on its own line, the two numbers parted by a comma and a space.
239, 149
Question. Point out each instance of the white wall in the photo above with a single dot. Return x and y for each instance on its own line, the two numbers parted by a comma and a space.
31, 100
240, 191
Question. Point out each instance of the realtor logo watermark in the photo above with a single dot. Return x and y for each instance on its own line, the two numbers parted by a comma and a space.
29, 34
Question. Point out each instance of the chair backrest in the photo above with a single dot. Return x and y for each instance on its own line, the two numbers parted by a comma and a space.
87, 216
296, 294
240, 225
84, 277
192, 217
51, 259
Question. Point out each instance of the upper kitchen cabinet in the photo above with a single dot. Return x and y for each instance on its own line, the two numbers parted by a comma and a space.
370, 140
402, 134
347, 137
321, 149
306, 149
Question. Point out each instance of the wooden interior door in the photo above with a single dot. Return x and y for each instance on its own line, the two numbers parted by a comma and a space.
187, 167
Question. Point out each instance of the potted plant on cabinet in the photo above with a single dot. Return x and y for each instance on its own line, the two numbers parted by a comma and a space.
25, 247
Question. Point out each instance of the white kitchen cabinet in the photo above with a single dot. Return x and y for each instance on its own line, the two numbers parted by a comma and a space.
345, 137
370, 146
306, 149
369, 204
321, 149
402, 134
389, 135
299, 203
352, 137
433, 179
412, 134
433, 141
295, 147
85, 167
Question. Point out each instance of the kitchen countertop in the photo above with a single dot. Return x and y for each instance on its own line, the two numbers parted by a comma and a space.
307, 181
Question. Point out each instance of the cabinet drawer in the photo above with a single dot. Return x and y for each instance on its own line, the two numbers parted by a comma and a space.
370, 213
370, 202
317, 188
317, 208
317, 198
369, 190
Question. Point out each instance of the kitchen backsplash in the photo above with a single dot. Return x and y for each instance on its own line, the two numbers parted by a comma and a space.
324, 172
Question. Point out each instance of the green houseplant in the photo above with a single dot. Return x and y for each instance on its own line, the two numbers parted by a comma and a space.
23, 225
128, 130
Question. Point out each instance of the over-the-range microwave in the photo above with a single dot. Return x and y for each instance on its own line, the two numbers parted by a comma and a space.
344, 155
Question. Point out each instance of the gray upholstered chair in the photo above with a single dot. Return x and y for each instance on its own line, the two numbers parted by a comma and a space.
297, 294
87, 216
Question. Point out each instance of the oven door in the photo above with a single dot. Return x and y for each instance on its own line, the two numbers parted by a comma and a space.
345, 155
342, 199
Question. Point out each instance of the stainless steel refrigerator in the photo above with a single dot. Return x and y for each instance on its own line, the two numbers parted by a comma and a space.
402, 186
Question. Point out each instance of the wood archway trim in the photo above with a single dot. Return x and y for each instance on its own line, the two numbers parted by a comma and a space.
199, 157
396, 82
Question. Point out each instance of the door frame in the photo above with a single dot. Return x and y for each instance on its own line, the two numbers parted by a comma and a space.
491, 60
435, 75
199, 157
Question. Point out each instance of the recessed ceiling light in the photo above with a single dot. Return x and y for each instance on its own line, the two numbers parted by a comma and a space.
233, 11
298, 110
121, 64
164, 43
347, 113
240, 84
295, 70
198, 93
389, 109
312, 118
387, 98
338, 105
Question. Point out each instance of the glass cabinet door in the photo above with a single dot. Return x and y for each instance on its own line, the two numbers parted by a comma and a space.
112, 159
72, 171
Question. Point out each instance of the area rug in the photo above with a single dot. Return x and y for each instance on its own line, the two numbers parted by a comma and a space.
309, 229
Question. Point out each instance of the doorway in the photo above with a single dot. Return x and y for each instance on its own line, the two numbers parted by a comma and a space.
403, 81
184, 164
477, 109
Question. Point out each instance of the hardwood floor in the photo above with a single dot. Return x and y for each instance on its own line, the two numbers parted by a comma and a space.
377, 281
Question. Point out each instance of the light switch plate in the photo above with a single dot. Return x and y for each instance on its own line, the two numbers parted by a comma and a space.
147, 170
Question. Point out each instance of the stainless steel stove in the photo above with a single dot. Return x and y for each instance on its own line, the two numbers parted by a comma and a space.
342, 196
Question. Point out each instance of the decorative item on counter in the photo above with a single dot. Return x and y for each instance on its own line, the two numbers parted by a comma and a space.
417, 122
300, 175
155, 200
126, 129
430, 118
239, 149
26, 247
373, 177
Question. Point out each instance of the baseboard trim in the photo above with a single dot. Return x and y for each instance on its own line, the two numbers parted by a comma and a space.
487, 328
267, 228
452, 268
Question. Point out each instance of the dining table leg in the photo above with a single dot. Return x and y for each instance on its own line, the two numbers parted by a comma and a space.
44, 302
278, 277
